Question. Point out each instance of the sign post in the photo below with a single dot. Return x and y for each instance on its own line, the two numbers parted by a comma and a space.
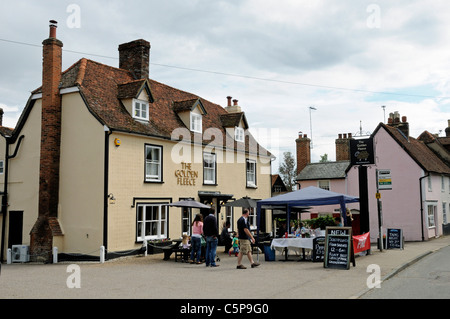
384, 181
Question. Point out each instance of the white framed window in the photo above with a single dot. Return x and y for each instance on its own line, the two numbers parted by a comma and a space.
229, 211
153, 163
442, 183
251, 173
431, 213
140, 110
196, 122
239, 134
324, 184
186, 220
209, 168
444, 213
252, 218
151, 222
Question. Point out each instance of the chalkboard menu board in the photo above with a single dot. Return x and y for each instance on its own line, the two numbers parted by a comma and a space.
394, 238
338, 247
318, 250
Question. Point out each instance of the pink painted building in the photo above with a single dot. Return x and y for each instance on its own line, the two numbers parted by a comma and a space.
419, 199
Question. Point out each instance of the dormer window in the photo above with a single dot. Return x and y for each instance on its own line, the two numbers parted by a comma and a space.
239, 134
196, 122
140, 110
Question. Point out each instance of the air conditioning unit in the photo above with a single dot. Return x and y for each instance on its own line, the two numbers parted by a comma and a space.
20, 254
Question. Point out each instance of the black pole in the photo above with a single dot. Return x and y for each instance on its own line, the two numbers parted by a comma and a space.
363, 199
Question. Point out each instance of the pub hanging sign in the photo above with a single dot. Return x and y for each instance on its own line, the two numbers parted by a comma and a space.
362, 152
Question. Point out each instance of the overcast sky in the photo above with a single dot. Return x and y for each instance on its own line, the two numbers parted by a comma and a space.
345, 58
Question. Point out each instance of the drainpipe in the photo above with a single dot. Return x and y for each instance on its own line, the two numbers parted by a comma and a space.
421, 204
5, 189
108, 132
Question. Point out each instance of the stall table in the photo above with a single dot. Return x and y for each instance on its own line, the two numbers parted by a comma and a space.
292, 244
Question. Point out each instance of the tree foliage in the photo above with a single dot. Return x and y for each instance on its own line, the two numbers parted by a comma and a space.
288, 171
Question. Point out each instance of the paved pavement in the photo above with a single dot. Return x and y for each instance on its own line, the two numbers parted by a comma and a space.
151, 277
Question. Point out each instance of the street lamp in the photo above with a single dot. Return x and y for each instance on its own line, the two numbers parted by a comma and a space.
310, 124
384, 113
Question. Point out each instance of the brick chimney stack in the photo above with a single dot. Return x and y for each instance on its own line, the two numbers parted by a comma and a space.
41, 233
447, 130
403, 125
235, 108
134, 56
343, 147
303, 144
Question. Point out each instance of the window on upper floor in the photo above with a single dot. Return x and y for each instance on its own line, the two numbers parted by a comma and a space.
1, 166
209, 168
239, 134
153, 163
251, 173
442, 183
140, 110
196, 122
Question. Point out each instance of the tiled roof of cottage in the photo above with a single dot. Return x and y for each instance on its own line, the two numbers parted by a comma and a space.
418, 151
103, 86
324, 170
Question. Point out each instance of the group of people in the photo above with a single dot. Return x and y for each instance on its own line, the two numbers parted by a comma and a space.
207, 228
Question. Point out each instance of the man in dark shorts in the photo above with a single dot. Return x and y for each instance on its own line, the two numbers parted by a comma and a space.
245, 237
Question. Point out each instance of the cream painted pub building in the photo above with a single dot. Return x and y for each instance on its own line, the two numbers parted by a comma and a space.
99, 152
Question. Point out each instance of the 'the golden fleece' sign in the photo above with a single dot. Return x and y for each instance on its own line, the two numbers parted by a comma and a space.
185, 175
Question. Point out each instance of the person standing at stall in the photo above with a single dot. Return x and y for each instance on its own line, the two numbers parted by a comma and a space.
211, 232
245, 240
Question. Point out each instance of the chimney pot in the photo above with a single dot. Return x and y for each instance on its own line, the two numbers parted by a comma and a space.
404, 119
345, 135
339, 135
229, 100
53, 26
235, 102
349, 135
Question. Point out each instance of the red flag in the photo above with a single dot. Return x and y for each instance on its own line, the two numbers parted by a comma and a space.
361, 243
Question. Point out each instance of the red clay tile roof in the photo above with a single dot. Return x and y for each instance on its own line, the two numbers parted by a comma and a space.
102, 86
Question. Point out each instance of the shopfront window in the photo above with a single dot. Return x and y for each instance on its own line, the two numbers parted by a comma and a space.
186, 220
151, 221
431, 215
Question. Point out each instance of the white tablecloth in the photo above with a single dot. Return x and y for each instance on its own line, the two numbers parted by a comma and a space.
295, 244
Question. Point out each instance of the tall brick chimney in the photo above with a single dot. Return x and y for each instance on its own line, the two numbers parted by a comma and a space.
303, 144
343, 147
42, 234
134, 56
447, 129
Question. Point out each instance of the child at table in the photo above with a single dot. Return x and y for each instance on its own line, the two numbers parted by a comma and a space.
186, 247
234, 245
